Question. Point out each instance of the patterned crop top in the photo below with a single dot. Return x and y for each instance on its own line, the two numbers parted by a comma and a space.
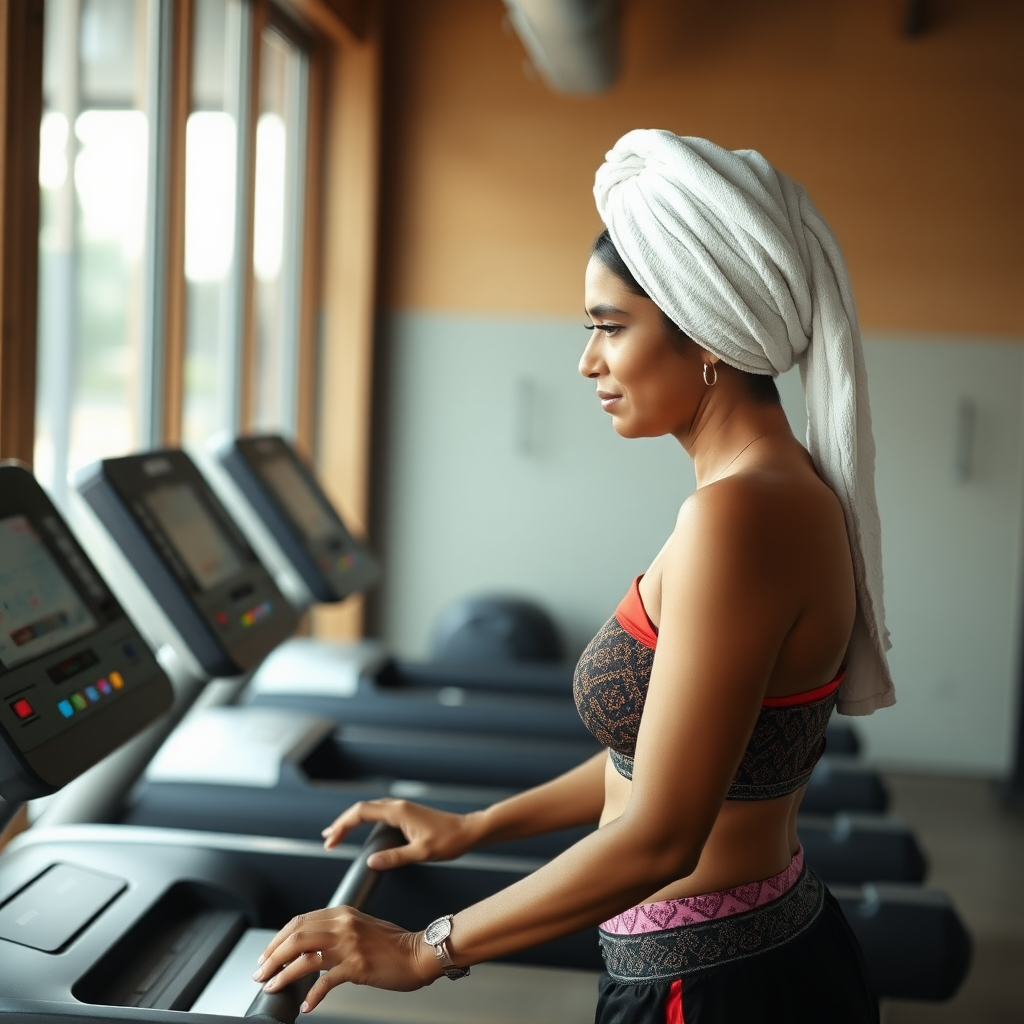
610, 686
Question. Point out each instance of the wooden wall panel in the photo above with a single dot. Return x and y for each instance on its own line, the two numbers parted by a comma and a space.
320, 61
912, 147
21, 103
347, 289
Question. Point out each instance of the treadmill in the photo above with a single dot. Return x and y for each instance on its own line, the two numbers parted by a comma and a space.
102, 922
237, 768
287, 772
286, 510
96, 921
76, 677
271, 769
288, 507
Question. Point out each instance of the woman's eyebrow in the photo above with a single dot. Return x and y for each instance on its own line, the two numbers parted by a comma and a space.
604, 309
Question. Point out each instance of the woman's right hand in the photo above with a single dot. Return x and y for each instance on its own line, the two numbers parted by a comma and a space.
430, 834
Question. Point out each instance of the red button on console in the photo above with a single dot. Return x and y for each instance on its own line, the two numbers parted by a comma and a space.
23, 709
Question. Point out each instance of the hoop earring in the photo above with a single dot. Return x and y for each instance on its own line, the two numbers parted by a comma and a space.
714, 374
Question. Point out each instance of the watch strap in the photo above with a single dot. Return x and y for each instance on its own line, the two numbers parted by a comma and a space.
448, 966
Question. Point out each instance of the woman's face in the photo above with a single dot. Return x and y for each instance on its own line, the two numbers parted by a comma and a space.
648, 376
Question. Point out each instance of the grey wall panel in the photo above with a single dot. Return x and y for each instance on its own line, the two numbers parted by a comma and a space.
951, 549
504, 475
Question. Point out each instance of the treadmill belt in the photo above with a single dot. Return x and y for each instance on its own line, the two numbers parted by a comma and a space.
166, 960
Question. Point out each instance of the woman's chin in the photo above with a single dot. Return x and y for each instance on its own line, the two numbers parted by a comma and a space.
633, 427
624, 428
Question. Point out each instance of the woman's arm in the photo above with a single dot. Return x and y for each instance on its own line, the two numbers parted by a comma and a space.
574, 798
723, 619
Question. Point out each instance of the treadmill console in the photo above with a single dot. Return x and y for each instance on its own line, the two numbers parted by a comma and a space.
187, 550
285, 494
76, 678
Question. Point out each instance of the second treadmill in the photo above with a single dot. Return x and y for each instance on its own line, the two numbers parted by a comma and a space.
360, 683
257, 769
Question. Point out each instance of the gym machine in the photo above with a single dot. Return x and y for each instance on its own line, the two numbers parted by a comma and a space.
257, 769
286, 510
100, 922
289, 517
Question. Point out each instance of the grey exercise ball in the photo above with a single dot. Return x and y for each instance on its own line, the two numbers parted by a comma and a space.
495, 629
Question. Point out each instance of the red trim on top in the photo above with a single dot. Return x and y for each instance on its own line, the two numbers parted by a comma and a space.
632, 617
805, 696
674, 1003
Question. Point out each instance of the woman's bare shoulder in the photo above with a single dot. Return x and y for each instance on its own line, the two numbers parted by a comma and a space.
759, 516
792, 492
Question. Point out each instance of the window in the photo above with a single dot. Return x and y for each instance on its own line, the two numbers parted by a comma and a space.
138, 309
214, 222
277, 236
94, 149
104, 170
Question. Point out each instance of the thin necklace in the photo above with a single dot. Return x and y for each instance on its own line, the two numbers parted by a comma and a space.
745, 447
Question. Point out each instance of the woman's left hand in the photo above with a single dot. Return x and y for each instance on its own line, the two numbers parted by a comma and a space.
348, 946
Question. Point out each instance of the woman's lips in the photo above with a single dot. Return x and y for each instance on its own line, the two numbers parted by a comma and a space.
608, 399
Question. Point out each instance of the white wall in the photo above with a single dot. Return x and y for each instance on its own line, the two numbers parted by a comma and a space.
504, 476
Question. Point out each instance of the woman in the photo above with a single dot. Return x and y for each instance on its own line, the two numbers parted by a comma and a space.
713, 682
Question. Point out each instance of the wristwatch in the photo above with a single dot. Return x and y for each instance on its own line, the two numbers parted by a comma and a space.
436, 934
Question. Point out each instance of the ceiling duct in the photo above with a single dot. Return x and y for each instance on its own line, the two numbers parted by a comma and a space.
574, 44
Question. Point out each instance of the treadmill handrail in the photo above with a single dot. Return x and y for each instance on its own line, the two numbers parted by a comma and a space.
353, 891
359, 881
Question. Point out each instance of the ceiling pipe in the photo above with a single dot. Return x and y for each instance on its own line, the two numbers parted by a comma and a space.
574, 44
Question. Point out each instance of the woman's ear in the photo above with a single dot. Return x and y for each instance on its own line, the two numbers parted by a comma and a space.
708, 357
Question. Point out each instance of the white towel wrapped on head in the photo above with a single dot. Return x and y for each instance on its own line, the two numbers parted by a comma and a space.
737, 256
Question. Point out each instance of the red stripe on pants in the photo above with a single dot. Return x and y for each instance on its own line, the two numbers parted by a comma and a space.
674, 1003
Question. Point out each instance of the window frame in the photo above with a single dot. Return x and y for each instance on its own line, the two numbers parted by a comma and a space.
21, 109
277, 17
337, 287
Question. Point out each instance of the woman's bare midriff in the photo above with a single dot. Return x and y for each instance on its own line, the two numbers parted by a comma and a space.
750, 840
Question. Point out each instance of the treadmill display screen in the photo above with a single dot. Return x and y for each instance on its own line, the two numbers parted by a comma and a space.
200, 542
39, 609
298, 498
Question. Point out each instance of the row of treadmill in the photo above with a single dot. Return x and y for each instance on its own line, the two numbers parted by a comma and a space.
189, 750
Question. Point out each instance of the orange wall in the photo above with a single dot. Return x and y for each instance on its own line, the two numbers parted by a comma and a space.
913, 149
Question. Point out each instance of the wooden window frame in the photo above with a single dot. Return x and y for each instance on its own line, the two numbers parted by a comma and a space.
174, 338
338, 303
347, 225
339, 247
21, 110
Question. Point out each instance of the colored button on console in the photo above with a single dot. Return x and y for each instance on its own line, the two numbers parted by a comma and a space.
79, 702
91, 693
23, 709
65, 708
103, 686
116, 680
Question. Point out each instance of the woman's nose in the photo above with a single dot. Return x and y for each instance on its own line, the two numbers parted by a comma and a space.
590, 363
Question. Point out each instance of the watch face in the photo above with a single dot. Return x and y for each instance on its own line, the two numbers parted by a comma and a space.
437, 931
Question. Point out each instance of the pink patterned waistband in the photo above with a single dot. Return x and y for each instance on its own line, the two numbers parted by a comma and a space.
657, 917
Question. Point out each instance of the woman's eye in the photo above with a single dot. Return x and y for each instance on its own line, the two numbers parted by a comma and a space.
609, 329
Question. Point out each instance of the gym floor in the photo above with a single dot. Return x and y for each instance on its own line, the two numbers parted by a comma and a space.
976, 851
